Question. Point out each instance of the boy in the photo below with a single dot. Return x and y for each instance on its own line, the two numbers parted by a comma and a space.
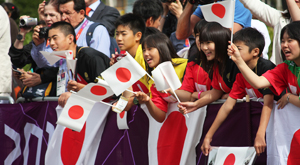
151, 12
250, 43
90, 62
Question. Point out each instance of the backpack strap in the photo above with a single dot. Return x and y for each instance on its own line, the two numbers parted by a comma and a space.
90, 31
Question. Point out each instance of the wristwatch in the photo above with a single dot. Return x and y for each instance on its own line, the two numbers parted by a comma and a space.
135, 101
20, 37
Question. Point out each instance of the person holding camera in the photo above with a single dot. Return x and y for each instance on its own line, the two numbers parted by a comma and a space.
188, 19
29, 54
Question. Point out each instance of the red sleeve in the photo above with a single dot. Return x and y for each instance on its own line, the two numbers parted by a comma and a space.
238, 88
158, 100
277, 78
215, 82
188, 83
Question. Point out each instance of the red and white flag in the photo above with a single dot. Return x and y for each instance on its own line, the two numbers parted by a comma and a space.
123, 74
122, 120
96, 91
163, 148
221, 12
283, 135
75, 112
70, 147
165, 77
232, 155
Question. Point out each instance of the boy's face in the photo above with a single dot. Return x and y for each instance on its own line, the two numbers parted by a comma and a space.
125, 38
58, 41
244, 51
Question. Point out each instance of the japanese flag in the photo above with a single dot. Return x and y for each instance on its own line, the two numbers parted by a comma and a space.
165, 77
123, 74
221, 12
122, 120
232, 155
75, 112
96, 91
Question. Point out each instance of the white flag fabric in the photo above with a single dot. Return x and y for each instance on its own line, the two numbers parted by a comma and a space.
95, 92
50, 58
123, 74
122, 120
61, 149
163, 149
75, 112
170, 75
159, 79
232, 155
221, 12
283, 136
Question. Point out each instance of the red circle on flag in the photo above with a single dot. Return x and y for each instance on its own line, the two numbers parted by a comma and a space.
230, 159
123, 74
98, 90
219, 10
122, 114
76, 112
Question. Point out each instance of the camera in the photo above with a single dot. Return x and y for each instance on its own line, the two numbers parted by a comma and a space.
28, 22
43, 32
201, 2
164, 1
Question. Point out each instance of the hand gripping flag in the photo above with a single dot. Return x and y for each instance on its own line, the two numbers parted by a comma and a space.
80, 104
123, 74
221, 12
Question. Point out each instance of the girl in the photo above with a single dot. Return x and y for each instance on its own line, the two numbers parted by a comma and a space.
283, 75
273, 18
196, 79
213, 42
157, 48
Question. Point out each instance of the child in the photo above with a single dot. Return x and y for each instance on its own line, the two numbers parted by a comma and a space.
196, 78
284, 75
250, 44
214, 36
157, 48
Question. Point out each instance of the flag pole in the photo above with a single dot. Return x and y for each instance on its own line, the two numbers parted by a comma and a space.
232, 21
178, 100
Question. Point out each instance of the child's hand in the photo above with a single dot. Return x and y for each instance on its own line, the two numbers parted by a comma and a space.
233, 52
63, 98
187, 107
206, 146
72, 85
112, 59
142, 97
283, 101
259, 144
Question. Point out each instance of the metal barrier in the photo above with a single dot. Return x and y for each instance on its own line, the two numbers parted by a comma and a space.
37, 99
7, 98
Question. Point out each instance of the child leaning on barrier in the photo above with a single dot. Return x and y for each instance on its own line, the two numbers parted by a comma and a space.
249, 43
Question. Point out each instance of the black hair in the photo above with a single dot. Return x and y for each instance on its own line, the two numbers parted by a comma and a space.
149, 31
199, 25
148, 8
134, 22
65, 27
216, 33
293, 31
164, 46
196, 52
78, 4
11, 8
251, 37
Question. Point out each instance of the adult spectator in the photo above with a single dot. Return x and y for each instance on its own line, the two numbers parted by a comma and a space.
151, 11
188, 19
13, 14
273, 18
99, 12
5, 64
73, 12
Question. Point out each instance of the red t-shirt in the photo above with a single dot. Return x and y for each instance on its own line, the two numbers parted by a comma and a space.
241, 87
225, 81
195, 78
280, 78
